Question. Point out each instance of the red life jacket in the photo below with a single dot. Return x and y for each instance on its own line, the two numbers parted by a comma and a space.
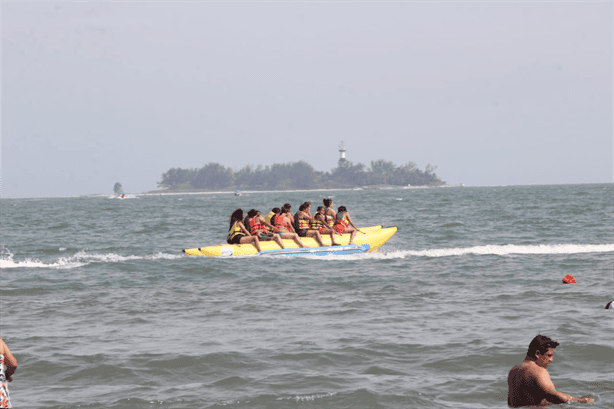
256, 228
342, 219
280, 222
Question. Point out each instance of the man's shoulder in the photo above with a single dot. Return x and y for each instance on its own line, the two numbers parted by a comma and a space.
516, 369
528, 369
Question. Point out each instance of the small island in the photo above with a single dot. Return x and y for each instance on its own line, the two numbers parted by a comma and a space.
298, 176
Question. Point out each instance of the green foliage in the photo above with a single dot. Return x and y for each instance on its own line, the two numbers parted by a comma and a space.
299, 175
177, 176
348, 173
213, 176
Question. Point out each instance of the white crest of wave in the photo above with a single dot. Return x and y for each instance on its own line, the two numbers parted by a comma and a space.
497, 250
6, 261
9, 263
504, 250
308, 398
81, 258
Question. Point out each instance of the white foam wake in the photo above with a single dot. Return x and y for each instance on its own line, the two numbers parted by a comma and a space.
81, 258
497, 250
504, 250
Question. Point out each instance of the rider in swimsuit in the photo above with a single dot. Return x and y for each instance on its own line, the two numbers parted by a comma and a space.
318, 222
342, 223
238, 234
283, 225
303, 218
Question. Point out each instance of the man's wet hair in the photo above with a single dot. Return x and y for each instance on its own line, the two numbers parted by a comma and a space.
327, 202
342, 209
276, 210
541, 343
302, 207
252, 213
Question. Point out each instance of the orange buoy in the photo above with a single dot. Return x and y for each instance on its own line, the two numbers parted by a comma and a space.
569, 279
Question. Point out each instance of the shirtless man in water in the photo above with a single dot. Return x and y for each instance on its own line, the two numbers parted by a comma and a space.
529, 383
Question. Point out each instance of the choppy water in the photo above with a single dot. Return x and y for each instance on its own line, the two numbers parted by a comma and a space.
102, 310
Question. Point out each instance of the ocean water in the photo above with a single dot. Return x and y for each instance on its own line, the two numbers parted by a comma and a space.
103, 310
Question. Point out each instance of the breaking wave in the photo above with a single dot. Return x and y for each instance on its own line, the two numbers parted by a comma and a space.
81, 258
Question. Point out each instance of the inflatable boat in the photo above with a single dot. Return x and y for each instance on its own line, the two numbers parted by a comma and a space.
371, 239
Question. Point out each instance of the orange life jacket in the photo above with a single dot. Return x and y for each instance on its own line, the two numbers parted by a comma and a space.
256, 227
342, 219
280, 222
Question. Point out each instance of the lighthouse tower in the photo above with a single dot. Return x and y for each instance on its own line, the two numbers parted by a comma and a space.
342, 151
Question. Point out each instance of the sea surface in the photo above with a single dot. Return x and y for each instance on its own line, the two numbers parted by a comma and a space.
103, 310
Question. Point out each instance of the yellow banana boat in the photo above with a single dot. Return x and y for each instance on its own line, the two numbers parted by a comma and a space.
371, 239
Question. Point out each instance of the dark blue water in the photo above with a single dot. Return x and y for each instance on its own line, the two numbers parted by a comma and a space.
103, 310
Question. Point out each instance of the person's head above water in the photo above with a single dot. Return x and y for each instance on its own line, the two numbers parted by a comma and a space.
327, 202
541, 350
342, 209
529, 383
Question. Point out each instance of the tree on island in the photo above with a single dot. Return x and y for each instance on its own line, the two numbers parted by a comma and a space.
117, 189
299, 175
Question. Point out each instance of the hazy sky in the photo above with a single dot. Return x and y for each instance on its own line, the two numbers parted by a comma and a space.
492, 93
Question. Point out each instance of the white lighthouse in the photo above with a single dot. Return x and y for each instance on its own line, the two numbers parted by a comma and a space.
342, 151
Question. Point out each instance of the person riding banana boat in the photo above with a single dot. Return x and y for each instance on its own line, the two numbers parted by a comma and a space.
313, 227
273, 212
319, 223
268, 234
329, 213
283, 225
259, 227
302, 220
342, 223
238, 234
